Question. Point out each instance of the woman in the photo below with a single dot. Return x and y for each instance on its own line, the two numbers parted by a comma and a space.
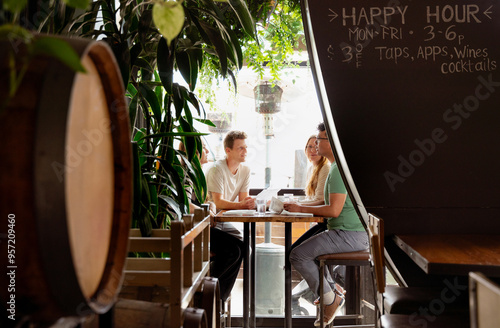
315, 188
345, 233
226, 246
316, 174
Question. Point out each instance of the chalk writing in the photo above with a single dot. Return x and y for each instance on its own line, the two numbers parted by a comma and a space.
412, 34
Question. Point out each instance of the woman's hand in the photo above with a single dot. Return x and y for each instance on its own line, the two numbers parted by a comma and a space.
292, 207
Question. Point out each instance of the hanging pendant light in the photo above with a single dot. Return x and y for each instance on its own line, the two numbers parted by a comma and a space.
267, 103
267, 98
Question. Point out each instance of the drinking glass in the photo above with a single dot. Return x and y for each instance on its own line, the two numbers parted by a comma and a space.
261, 206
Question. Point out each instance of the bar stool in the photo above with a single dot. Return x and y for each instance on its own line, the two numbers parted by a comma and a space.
353, 261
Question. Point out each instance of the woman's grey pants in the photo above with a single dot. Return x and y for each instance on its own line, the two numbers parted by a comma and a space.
303, 257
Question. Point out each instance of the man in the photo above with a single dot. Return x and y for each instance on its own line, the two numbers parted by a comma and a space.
345, 232
228, 179
228, 183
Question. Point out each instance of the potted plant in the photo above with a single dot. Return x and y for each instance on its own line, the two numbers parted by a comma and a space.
163, 109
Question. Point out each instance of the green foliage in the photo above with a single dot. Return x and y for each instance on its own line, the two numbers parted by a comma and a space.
278, 34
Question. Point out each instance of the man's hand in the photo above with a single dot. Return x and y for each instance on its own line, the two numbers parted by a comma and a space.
248, 203
213, 211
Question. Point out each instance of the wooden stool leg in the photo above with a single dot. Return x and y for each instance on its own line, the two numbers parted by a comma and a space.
352, 284
321, 292
228, 316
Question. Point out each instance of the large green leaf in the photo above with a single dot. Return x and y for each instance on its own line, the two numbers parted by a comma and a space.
172, 203
178, 99
187, 62
215, 40
133, 109
192, 33
145, 214
193, 60
137, 176
144, 27
244, 16
168, 17
168, 119
177, 175
59, 49
154, 202
194, 101
189, 142
140, 215
195, 172
235, 47
151, 98
206, 122
233, 78
139, 137
184, 66
187, 112
201, 181
165, 65
108, 16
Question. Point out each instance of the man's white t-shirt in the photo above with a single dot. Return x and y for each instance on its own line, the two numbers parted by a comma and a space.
222, 181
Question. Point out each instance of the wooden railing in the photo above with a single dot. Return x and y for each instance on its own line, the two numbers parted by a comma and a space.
172, 281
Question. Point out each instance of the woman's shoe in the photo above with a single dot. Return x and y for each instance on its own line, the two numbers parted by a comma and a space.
338, 289
331, 310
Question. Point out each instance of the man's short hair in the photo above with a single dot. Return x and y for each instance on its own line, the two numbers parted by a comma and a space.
231, 136
321, 127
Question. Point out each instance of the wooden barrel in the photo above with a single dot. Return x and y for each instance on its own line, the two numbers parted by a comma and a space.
65, 185
195, 318
210, 301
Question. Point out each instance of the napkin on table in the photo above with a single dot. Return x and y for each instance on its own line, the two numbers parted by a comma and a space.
239, 212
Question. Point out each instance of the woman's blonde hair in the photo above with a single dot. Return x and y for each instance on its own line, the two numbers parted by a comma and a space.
312, 183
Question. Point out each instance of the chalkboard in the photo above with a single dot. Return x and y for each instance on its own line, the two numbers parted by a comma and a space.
411, 94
